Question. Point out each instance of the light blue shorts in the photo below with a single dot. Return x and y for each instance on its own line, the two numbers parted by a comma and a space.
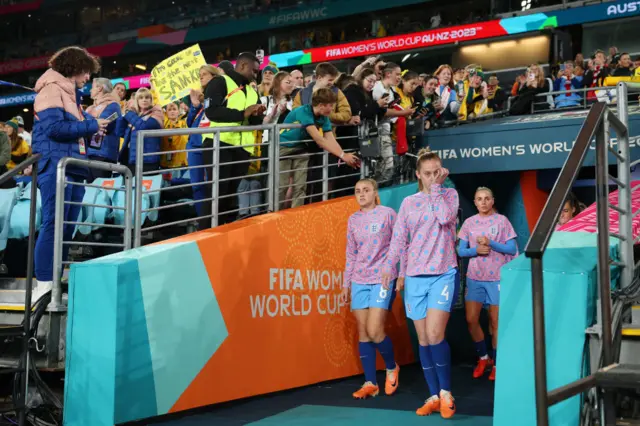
425, 292
365, 296
485, 292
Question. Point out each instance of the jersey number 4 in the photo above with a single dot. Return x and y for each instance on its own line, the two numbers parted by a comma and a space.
445, 292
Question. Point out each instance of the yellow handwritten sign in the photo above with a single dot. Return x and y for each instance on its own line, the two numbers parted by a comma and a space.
174, 77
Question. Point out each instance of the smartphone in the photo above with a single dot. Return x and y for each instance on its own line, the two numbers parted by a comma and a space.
532, 76
384, 96
112, 117
260, 55
562, 68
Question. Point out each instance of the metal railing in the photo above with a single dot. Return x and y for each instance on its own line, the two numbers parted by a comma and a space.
597, 124
59, 241
320, 172
32, 162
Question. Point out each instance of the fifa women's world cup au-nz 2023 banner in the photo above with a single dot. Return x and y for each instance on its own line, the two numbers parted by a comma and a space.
522, 143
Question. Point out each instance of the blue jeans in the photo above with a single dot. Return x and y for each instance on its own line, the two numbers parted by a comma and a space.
248, 203
198, 175
44, 245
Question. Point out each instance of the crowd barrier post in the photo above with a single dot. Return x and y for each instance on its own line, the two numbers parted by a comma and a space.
215, 186
273, 158
58, 237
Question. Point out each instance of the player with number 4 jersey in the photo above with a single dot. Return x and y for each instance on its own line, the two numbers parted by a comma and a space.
488, 239
368, 237
424, 244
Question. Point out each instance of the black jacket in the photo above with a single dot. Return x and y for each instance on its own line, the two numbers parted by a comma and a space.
215, 101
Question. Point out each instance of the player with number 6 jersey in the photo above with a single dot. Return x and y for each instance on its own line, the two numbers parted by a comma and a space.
424, 244
368, 237
488, 239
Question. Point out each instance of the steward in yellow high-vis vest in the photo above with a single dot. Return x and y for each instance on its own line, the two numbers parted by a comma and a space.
230, 101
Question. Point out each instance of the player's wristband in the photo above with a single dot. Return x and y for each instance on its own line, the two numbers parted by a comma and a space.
341, 156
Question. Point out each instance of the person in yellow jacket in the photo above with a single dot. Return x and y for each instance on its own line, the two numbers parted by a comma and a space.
20, 150
172, 120
230, 101
481, 98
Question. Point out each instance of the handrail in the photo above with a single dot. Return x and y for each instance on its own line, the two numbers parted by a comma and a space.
546, 223
20, 167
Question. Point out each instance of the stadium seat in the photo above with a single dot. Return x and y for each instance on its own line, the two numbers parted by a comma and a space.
19, 225
8, 199
150, 183
100, 196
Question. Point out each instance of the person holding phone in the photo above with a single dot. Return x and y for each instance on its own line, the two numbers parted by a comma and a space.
569, 81
105, 144
527, 99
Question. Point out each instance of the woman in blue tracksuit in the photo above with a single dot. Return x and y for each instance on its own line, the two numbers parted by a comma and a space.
140, 114
60, 129
104, 147
197, 118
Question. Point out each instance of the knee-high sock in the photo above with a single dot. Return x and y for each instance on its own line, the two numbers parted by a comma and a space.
368, 360
429, 370
386, 350
481, 348
442, 358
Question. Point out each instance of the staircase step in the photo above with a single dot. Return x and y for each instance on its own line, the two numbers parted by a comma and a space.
619, 376
635, 315
12, 297
11, 330
631, 330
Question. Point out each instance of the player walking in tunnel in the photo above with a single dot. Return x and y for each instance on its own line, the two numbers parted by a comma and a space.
424, 244
368, 237
488, 239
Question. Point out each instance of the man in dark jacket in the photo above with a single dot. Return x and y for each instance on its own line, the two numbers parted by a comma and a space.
231, 101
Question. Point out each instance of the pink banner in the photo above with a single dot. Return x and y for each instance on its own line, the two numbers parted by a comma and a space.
587, 220
20, 7
21, 65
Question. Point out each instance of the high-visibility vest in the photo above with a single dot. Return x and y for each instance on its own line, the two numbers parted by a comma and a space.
238, 100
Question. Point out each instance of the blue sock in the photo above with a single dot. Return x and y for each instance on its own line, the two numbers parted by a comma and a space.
442, 357
492, 354
481, 348
386, 350
429, 370
368, 360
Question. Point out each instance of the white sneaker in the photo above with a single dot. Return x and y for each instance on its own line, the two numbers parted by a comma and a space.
41, 289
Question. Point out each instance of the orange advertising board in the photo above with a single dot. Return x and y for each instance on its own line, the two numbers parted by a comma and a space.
277, 279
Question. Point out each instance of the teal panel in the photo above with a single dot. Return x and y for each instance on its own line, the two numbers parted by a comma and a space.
108, 362
569, 290
393, 197
177, 294
319, 415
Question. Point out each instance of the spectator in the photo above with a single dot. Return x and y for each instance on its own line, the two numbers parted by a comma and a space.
567, 80
5, 157
384, 94
226, 67
624, 68
497, 96
475, 101
120, 90
308, 79
172, 120
60, 130
264, 88
196, 119
26, 136
579, 61
231, 101
326, 75
297, 79
527, 100
447, 93
314, 119
595, 74
20, 150
432, 105
104, 147
140, 114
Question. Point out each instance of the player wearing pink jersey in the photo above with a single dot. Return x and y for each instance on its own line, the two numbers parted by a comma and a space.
424, 244
368, 237
488, 239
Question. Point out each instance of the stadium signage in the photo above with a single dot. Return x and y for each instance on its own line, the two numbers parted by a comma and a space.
623, 9
19, 99
408, 41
